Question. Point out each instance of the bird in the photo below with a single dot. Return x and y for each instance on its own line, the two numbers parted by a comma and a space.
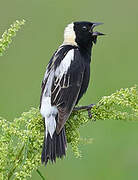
65, 81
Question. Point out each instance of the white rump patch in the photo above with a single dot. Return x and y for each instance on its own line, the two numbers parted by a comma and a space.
69, 35
49, 113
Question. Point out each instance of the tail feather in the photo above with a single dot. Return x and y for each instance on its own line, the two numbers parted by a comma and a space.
54, 147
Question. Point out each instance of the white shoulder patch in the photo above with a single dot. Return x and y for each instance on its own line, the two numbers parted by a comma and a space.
65, 64
69, 35
47, 73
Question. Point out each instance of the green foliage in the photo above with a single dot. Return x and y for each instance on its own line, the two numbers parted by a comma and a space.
21, 139
121, 105
9, 34
20, 145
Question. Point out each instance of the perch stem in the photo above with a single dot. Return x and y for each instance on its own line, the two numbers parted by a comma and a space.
18, 157
42, 177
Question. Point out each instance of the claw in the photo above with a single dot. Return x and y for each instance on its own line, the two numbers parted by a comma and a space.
89, 110
89, 113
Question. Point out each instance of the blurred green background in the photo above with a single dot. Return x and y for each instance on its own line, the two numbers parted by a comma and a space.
114, 152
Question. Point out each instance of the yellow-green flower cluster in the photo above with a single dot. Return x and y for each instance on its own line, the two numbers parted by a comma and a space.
9, 34
21, 140
121, 105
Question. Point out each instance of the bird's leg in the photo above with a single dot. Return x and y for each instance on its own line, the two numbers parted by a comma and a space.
88, 108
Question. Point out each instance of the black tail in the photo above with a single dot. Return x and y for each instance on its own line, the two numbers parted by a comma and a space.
54, 147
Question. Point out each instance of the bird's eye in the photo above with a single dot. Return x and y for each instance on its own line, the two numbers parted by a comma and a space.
84, 28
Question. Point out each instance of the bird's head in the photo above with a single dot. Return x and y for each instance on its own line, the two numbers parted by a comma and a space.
81, 34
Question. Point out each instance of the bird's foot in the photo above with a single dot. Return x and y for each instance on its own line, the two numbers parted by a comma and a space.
88, 108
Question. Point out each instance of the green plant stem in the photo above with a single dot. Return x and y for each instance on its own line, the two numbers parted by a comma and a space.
18, 158
43, 178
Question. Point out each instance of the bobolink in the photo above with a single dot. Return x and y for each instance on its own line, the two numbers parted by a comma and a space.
65, 81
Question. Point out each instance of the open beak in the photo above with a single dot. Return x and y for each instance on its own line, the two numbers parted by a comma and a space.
96, 33
96, 24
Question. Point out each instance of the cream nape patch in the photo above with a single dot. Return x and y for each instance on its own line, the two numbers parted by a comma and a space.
69, 35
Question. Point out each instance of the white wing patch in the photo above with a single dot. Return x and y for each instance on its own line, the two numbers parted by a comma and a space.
48, 111
61, 72
65, 64
54, 58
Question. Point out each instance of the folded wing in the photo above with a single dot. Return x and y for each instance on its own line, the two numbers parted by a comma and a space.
66, 85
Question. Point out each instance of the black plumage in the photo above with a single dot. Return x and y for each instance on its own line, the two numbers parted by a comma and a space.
65, 81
